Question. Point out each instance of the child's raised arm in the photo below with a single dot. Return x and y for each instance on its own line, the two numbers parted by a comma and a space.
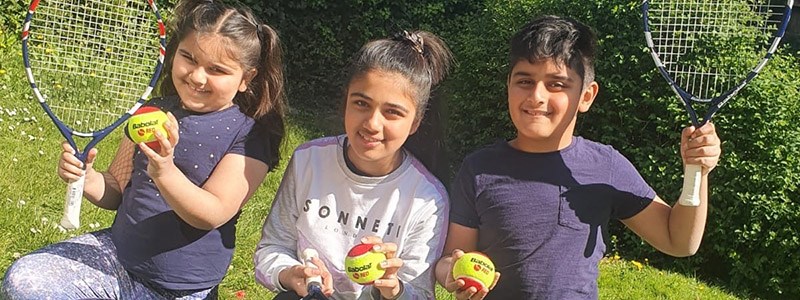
678, 230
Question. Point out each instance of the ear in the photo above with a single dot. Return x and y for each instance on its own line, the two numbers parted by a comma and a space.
415, 126
246, 78
587, 96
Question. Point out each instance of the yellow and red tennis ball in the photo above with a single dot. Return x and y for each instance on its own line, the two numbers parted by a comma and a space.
143, 125
475, 269
362, 265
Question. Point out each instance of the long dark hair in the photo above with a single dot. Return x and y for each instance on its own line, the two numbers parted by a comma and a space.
424, 60
254, 44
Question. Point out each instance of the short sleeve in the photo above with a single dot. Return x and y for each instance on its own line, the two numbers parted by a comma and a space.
462, 198
633, 194
255, 144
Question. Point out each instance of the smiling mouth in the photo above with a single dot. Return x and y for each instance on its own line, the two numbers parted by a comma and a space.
536, 113
368, 139
196, 89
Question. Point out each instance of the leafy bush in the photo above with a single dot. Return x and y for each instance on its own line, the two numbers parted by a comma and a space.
12, 14
321, 36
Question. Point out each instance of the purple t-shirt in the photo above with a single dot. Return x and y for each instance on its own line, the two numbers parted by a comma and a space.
152, 241
541, 216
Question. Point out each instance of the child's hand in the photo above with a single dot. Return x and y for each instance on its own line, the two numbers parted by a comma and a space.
389, 285
457, 286
294, 278
161, 161
70, 167
701, 147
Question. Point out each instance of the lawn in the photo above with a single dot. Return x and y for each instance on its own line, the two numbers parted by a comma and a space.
32, 195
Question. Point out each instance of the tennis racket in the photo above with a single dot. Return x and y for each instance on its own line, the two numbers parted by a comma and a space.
91, 64
697, 47
313, 284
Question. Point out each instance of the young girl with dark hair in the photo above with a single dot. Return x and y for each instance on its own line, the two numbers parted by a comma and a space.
174, 232
365, 186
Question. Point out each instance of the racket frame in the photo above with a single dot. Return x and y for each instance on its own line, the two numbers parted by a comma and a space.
690, 194
74, 194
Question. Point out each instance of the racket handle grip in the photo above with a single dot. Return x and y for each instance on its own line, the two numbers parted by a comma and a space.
690, 195
72, 204
307, 256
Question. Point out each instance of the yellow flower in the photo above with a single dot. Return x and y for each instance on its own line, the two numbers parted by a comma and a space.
2, 71
637, 264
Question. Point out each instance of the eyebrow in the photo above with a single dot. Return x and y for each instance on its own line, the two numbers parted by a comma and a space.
217, 64
392, 105
184, 52
550, 76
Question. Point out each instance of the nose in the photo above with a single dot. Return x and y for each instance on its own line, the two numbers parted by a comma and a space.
374, 121
198, 76
539, 93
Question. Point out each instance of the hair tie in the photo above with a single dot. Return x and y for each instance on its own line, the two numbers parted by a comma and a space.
416, 40
260, 31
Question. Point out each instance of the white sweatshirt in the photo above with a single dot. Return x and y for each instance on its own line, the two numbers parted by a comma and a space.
321, 204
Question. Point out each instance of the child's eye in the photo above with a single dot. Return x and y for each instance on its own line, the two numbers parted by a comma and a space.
525, 82
360, 103
395, 112
188, 57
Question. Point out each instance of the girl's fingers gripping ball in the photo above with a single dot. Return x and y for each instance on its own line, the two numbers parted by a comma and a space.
143, 125
363, 265
475, 269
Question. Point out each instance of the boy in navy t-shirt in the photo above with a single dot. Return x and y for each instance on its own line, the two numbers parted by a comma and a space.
536, 204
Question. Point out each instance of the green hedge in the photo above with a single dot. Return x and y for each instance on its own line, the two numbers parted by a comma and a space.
320, 36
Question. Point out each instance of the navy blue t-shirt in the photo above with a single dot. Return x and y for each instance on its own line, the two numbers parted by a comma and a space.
152, 241
541, 216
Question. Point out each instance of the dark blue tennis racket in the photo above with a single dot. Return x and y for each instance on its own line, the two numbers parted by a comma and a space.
314, 284
697, 47
91, 64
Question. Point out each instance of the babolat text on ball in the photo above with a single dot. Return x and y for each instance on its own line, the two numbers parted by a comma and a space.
475, 269
362, 265
143, 125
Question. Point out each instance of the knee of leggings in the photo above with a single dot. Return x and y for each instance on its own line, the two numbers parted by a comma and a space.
22, 277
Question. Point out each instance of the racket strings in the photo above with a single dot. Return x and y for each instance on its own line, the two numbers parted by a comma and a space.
102, 46
684, 30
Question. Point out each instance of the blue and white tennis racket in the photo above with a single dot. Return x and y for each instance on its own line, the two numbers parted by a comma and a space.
91, 64
698, 46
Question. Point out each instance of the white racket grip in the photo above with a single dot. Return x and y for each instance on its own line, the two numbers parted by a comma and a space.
307, 256
690, 195
72, 205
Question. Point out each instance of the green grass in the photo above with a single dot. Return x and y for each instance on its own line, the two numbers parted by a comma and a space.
31, 198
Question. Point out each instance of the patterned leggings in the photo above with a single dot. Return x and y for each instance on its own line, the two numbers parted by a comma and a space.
83, 267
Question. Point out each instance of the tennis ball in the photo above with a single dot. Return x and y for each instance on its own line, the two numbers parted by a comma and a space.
476, 269
362, 265
143, 124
